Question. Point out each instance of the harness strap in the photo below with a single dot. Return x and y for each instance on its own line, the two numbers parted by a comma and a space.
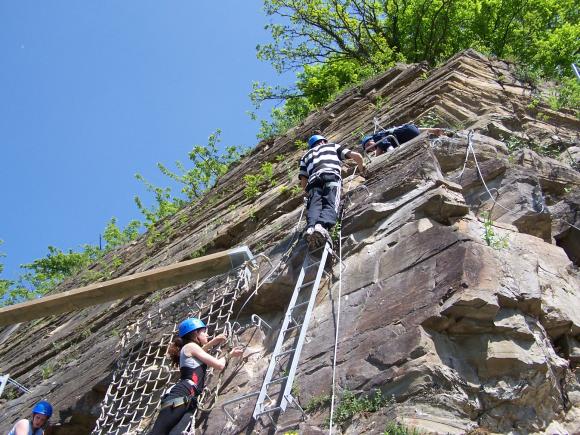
177, 402
337, 184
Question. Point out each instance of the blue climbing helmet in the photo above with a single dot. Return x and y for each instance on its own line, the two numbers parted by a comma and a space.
365, 139
191, 324
314, 139
43, 407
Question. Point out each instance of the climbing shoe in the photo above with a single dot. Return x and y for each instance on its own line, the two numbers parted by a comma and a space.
309, 236
322, 235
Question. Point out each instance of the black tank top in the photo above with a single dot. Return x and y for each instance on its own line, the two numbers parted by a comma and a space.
193, 370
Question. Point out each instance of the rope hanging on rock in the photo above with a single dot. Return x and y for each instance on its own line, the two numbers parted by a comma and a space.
470, 149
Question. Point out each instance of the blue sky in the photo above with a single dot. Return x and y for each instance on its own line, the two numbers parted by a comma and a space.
93, 92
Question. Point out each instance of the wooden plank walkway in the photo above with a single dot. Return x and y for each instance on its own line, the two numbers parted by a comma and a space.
126, 286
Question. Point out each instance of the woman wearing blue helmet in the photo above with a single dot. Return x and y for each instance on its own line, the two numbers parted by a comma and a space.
40, 415
189, 352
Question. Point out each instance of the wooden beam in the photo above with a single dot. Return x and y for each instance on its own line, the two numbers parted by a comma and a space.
126, 286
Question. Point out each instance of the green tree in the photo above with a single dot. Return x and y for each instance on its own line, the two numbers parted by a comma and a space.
4, 283
315, 86
115, 236
372, 32
45, 273
209, 164
165, 204
333, 44
12, 292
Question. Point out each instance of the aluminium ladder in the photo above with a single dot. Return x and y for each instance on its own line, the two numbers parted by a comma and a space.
5, 380
276, 391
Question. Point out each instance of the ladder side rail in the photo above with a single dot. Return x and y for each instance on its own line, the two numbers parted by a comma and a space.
279, 343
3, 382
304, 330
18, 385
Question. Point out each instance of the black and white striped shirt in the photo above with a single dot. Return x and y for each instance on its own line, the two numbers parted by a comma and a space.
324, 158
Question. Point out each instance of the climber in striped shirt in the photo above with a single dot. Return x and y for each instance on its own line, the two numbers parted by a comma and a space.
320, 178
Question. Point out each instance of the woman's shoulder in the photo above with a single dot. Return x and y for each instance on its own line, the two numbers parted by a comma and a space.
20, 424
22, 421
190, 349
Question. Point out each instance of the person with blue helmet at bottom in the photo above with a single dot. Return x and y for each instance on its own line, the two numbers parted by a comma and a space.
189, 352
320, 177
41, 412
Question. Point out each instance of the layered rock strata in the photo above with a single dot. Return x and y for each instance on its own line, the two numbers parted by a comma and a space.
459, 298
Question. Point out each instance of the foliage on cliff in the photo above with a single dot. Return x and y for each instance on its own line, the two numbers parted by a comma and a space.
333, 44
43, 275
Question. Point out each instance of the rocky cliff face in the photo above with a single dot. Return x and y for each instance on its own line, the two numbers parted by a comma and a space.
460, 299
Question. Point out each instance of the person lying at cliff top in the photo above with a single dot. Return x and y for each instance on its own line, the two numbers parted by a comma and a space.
387, 140
41, 412
189, 351
320, 177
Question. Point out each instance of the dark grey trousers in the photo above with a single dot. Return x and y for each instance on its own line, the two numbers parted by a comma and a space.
323, 200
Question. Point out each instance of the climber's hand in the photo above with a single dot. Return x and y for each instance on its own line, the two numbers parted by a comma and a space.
237, 351
219, 339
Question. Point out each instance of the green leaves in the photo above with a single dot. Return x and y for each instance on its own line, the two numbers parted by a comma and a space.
373, 32
209, 164
44, 274
489, 235
333, 44
4, 283
115, 236
254, 182
350, 405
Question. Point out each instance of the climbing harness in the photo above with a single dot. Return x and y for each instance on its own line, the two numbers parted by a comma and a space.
275, 394
175, 403
276, 391
143, 369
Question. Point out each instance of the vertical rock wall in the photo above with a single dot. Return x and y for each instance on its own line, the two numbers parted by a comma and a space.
457, 334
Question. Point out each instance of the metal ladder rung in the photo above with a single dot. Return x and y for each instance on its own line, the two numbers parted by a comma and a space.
292, 327
277, 380
286, 352
267, 411
299, 305
309, 283
315, 263
320, 248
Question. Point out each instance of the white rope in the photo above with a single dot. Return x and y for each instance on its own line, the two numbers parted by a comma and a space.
336, 333
471, 149
467, 150
337, 328
377, 125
